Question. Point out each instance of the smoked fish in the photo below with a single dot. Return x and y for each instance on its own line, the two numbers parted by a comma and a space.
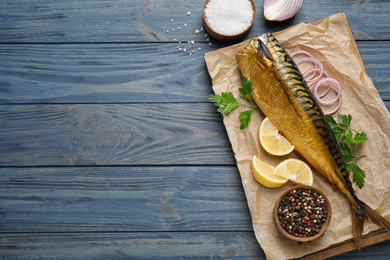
282, 94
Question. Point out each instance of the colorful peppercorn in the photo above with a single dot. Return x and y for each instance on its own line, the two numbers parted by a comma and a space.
302, 212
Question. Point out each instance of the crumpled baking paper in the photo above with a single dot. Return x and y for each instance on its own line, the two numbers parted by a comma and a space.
331, 41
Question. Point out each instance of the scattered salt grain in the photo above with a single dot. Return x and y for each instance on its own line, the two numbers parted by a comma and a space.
179, 28
197, 31
184, 49
173, 29
185, 25
192, 42
188, 13
171, 20
229, 17
210, 43
167, 31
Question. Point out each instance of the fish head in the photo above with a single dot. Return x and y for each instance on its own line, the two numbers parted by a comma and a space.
262, 47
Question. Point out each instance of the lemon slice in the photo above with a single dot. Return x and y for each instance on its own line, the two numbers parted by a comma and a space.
272, 140
295, 170
263, 173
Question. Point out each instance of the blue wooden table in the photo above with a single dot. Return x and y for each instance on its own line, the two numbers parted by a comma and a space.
109, 147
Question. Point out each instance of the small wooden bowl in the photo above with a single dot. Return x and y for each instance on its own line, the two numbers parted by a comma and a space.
224, 37
324, 225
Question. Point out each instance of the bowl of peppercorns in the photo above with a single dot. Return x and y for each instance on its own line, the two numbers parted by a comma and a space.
302, 213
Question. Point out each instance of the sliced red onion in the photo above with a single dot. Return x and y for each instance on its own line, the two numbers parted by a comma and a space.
298, 52
311, 70
316, 63
330, 84
337, 88
281, 10
317, 81
329, 113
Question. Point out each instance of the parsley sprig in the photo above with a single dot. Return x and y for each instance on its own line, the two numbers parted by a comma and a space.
226, 102
348, 138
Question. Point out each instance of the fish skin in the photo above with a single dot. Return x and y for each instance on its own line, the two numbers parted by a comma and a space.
282, 94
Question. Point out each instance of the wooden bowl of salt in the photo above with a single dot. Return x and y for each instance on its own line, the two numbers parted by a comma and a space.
228, 20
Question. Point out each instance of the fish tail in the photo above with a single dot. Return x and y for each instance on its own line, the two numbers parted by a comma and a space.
362, 213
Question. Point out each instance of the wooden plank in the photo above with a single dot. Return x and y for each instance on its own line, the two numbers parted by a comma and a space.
103, 73
340, 250
150, 245
113, 134
122, 73
376, 58
380, 251
90, 199
110, 134
146, 21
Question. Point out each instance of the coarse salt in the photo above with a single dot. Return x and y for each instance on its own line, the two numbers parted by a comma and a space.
229, 17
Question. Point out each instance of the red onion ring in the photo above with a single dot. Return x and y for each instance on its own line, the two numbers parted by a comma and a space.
337, 89
327, 90
301, 52
315, 62
334, 110
313, 69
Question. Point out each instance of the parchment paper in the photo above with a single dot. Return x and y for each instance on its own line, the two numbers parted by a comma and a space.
331, 41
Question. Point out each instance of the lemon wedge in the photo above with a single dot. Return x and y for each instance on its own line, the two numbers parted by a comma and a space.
272, 140
295, 170
263, 173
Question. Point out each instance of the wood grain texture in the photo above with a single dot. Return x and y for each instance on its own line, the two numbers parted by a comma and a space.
137, 245
148, 21
109, 148
95, 199
112, 134
96, 73
123, 73
150, 245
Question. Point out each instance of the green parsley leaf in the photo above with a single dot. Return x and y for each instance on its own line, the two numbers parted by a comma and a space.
358, 176
337, 130
245, 118
226, 102
348, 139
344, 120
346, 152
360, 138
246, 90
331, 121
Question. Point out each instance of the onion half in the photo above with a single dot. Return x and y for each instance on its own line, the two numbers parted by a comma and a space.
281, 10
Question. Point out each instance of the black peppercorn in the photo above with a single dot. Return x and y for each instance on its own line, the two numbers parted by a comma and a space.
302, 212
